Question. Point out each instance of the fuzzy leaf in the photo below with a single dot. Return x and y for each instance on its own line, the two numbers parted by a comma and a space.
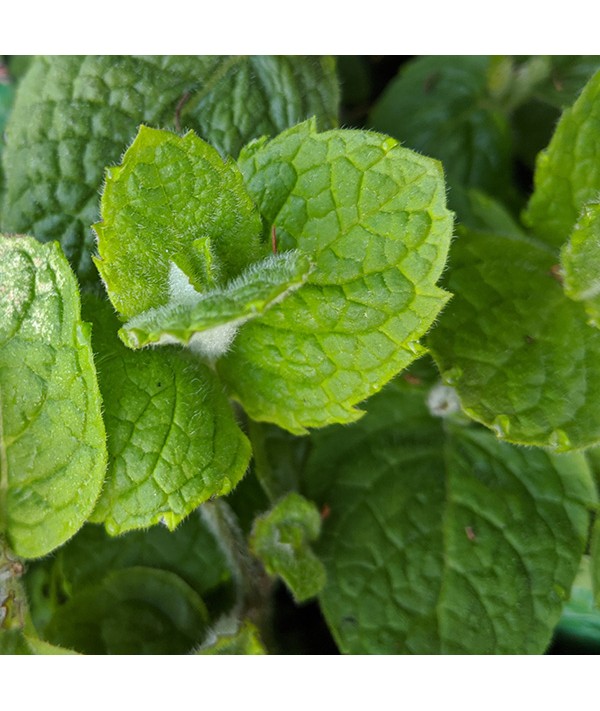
172, 438
172, 200
52, 440
519, 353
580, 259
567, 173
429, 520
209, 321
371, 215
280, 539
75, 115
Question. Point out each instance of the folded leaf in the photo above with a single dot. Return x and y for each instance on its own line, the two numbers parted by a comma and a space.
567, 176
52, 440
133, 611
519, 353
75, 115
281, 540
190, 552
172, 438
371, 215
208, 321
429, 519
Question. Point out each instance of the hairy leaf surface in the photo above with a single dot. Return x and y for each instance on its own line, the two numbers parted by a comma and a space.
172, 438
172, 201
371, 215
580, 259
427, 523
208, 322
52, 440
75, 115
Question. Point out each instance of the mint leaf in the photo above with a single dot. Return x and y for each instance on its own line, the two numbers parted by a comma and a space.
247, 97
513, 345
52, 440
244, 640
442, 107
75, 115
372, 217
190, 552
172, 438
427, 522
565, 177
580, 259
280, 539
172, 201
208, 322
134, 611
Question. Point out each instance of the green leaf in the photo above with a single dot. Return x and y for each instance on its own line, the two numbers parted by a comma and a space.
580, 260
441, 106
245, 640
134, 611
440, 538
372, 217
209, 321
247, 97
52, 440
191, 552
173, 441
75, 115
566, 178
280, 539
172, 201
519, 353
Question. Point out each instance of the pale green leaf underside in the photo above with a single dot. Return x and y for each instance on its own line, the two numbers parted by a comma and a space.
567, 173
580, 261
371, 215
172, 438
52, 440
172, 200
428, 523
281, 540
75, 115
194, 318
519, 353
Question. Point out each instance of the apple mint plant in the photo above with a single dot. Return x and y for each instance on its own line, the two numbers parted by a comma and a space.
252, 365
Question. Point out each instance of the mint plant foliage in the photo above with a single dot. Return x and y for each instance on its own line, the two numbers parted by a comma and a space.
75, 115
220, 428
428, 516
207, 268
52, 437
172, 438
